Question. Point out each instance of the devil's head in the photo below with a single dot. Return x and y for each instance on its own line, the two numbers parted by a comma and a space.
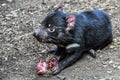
53, 29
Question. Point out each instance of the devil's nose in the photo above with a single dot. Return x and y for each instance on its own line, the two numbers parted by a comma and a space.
37, 33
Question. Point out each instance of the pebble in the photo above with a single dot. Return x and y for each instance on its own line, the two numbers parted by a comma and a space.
111, 46
103, 79
14, 13
118, 67
44, 51
3, 23
11, 14
115, 40
61, 77
109, 71
105, 65
14, 57
4, 4
16, 68
111, 62
9, 0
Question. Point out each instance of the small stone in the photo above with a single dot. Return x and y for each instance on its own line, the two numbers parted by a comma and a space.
2, 69
114, 66
16, 68
111, 62
43, 51
61, 77
109, 71
103, 79
9, 0
14, 57
4, 4
115, 40
7, 18
99, 51
111, 47
105, 65
8, 15
14, 13
118, 67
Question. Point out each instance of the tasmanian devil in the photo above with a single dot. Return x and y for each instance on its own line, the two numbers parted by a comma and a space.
74, 34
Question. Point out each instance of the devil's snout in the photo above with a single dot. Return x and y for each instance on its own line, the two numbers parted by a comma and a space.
40, 34
37, 33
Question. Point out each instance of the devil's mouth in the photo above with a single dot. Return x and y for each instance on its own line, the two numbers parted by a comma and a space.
66, 40
47, 40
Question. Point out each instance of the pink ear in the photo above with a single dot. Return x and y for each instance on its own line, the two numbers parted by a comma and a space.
60, 8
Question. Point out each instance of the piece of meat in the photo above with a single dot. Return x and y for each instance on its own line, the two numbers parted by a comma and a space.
41, 67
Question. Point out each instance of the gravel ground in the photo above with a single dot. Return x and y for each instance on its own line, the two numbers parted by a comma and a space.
20, 51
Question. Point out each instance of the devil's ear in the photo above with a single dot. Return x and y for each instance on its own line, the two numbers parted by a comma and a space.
59, 8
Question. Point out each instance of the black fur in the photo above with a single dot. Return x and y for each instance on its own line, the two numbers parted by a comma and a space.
92, 30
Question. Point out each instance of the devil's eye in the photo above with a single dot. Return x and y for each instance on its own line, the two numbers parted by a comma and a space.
51, 29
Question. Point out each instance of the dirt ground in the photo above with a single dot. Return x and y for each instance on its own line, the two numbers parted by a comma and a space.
20, 51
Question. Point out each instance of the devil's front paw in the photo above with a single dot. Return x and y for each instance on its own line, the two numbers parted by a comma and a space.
56, 69
52, 50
